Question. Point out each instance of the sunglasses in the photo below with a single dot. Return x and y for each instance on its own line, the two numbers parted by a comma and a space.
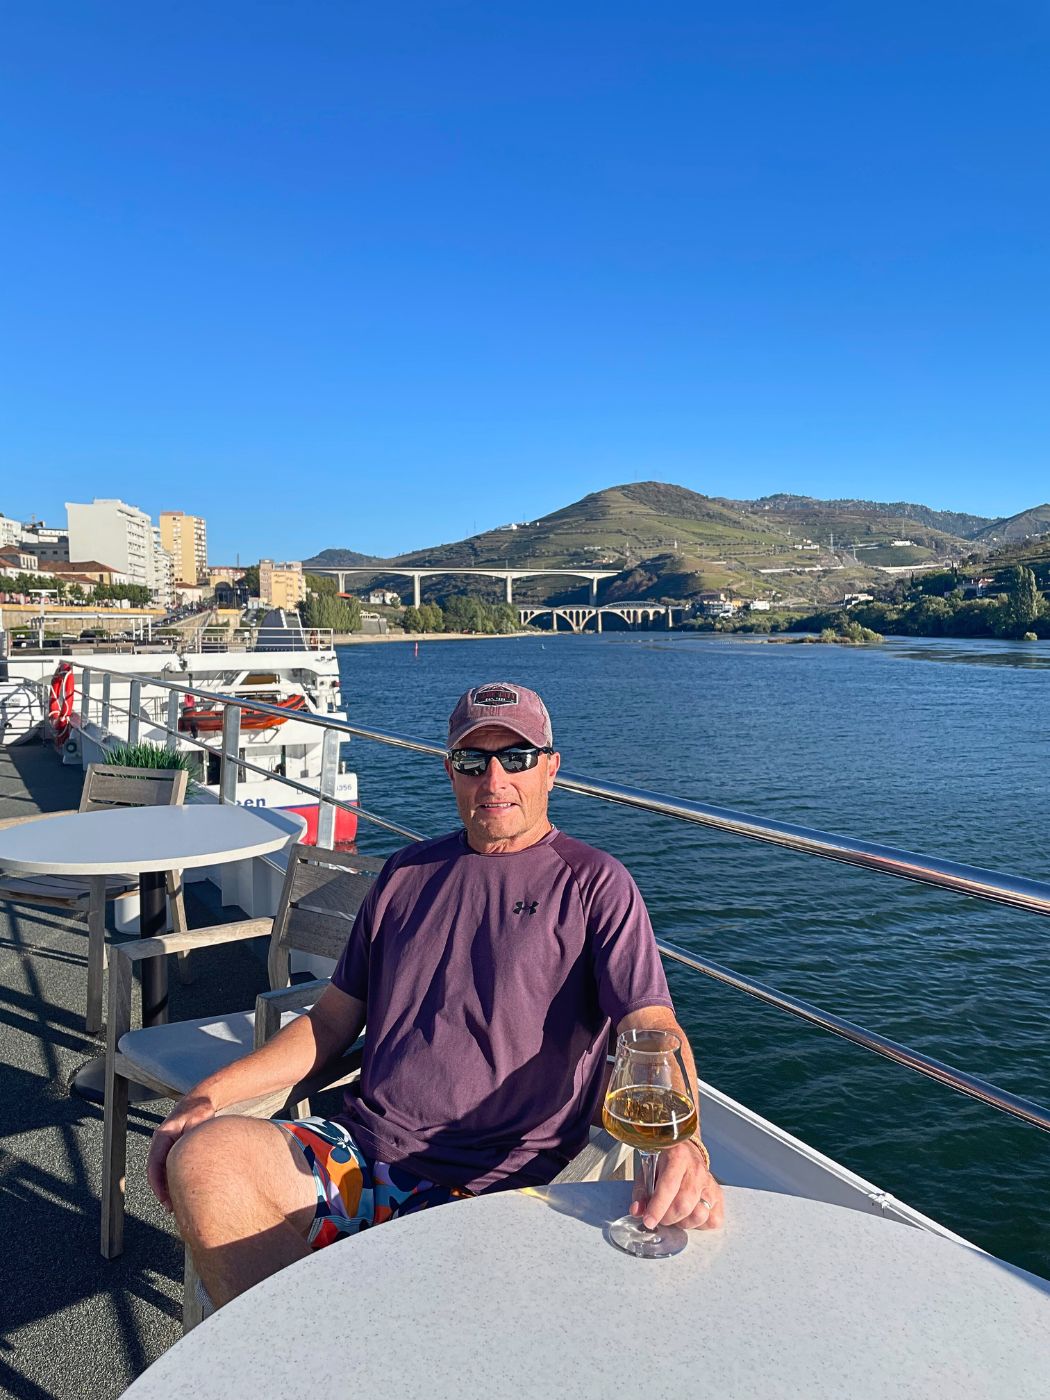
475, 762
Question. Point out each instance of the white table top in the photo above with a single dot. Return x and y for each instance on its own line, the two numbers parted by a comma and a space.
520, 1295
144, 838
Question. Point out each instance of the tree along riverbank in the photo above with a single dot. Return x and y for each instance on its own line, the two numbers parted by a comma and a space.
359, 638
932, 605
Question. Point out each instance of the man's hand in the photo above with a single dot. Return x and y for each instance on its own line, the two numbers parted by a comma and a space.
186, 1114
686, 1193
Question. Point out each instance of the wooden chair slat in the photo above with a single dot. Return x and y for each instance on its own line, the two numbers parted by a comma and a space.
321, 922
323, 940
110, 785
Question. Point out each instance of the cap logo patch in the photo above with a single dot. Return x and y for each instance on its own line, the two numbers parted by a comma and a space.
494, 696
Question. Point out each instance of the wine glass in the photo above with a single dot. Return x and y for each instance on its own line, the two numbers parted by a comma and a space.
649, 1106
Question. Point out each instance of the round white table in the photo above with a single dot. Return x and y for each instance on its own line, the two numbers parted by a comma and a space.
520, 1295
148, 842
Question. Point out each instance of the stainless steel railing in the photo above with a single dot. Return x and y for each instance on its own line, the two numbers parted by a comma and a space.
1014, 891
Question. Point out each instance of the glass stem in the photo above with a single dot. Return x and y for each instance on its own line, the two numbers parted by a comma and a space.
648, 1182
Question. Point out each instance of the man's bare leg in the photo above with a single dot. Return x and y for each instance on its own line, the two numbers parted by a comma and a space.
244, 1198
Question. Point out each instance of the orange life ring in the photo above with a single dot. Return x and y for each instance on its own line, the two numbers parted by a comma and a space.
60, 704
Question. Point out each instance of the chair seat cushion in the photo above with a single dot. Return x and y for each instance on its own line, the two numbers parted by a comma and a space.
181, 1053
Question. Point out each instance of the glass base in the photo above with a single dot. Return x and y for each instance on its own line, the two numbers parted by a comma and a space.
628, 1233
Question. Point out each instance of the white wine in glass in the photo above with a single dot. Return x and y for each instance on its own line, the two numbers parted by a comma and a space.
649, 1106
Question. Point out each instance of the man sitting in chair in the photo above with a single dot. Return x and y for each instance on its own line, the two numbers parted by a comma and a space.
490, 965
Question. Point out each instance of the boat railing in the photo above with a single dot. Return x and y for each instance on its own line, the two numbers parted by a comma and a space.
214, 637
1016, 892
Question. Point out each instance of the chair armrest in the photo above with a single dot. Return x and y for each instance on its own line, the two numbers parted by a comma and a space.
135, 949
603, 1159
269, 1006
124, 956
339, 1072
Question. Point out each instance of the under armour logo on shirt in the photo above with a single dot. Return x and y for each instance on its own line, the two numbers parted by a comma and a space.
525, 907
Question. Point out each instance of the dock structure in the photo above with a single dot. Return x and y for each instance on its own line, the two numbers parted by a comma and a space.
75, 1326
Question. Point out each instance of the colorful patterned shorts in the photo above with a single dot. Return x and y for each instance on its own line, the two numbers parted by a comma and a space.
353, 1192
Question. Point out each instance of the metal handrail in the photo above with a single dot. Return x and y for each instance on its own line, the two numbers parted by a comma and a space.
360, 812
969, 1084
1014, 891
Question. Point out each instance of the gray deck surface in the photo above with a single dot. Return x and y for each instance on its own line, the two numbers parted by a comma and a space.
73, 1324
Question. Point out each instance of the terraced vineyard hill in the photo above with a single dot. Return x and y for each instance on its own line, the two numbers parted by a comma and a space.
1015, 529
667, 541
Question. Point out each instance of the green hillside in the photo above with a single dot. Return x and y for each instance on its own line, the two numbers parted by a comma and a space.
1015, 529
667, 541
955, 524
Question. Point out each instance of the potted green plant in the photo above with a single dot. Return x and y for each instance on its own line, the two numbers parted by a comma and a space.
146, 756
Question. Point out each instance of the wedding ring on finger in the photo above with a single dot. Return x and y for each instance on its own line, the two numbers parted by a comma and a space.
708, 1205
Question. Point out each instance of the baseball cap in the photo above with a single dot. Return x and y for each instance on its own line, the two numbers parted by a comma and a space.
498, 702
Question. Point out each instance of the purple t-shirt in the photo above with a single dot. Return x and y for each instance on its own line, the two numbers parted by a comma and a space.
491, 982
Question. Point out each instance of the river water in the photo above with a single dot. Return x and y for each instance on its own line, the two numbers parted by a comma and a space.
941, 747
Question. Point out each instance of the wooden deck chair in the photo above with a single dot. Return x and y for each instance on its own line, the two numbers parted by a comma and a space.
107, 787
322, 893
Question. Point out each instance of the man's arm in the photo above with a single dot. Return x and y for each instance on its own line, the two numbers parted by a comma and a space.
302, 1048
686, 1193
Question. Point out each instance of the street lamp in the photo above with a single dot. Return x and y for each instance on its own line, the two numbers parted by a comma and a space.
42, 594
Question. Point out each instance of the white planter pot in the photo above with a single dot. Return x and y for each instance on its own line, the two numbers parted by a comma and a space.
126, 915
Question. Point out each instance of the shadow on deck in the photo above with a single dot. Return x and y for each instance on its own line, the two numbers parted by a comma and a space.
73, 1324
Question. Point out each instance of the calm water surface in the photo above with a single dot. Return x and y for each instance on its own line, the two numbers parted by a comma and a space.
942, 747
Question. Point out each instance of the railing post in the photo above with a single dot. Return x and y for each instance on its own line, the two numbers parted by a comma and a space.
330, 746
134, 706
228, 766
85, 696
107, 687
171, 739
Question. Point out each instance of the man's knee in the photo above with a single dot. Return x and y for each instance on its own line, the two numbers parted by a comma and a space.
202, 1156
236, 1164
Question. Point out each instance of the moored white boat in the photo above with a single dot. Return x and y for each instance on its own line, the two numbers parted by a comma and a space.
279, 665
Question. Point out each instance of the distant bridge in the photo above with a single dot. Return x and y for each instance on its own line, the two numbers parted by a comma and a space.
593, 576
578, 617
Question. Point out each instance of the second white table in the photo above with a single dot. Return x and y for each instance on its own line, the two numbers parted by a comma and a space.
147, 841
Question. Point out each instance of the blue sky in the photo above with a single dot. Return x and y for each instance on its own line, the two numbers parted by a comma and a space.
376, 276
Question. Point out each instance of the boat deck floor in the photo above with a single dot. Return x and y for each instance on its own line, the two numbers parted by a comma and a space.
73, 1324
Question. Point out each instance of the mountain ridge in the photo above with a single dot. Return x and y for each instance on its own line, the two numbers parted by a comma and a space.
668, 540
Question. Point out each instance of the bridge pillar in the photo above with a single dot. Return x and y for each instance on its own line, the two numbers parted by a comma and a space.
594, 591
415, 590
510, 592
598, 620
670, 619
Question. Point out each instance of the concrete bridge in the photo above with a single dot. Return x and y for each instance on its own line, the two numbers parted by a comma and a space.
593, 576
578, 617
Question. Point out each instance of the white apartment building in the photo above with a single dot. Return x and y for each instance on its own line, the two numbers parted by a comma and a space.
162, 584
186, 536
10, 531
126, 539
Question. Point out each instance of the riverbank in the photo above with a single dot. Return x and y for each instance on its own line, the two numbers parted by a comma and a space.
354, 638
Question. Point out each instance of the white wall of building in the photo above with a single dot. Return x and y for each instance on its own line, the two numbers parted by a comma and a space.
126, 539
114, 533
162, 573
